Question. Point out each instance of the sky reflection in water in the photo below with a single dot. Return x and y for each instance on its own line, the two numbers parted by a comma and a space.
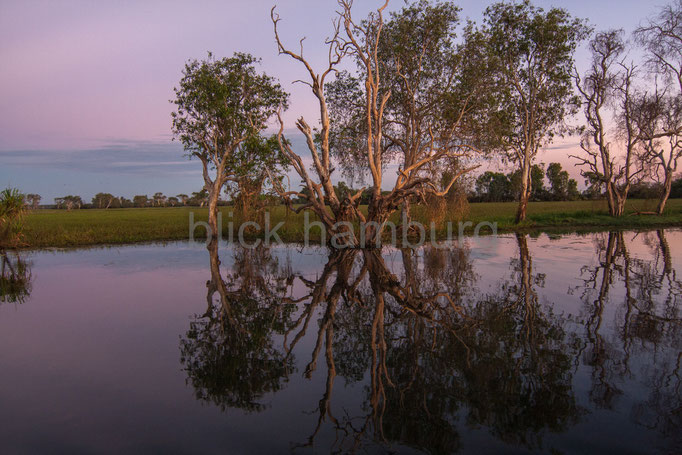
567, 343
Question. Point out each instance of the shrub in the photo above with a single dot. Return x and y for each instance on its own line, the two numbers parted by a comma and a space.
12, 210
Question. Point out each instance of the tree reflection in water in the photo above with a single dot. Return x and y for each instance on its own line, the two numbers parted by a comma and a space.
15, 278
229, 352
432, 353
643, 341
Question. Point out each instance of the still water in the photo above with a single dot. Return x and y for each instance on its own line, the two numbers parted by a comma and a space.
514, 344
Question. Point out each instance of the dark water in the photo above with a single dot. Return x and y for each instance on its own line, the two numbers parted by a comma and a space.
512, 344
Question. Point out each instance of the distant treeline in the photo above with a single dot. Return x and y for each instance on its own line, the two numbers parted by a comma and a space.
547, 184
109, 201
500, 187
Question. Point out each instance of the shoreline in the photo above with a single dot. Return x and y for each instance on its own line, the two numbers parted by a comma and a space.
47, 229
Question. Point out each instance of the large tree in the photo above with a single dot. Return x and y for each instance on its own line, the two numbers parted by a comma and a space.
409, 97
661, 37
660, 113
436, 86
608, 86
658, 117
532, 52
222, 104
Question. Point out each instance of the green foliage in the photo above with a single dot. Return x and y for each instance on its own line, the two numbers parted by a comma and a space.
58, 228
562, 187
12, 210
532, 53
437, 89
140, 200
68, 202
199, 198
33, 200
494, 187
105, 201
221, 108
676, 190
537, 183
499, 187
223, 102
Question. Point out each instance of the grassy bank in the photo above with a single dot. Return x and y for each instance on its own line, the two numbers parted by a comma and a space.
58, 228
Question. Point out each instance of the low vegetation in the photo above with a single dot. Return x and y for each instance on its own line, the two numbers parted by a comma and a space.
59, 228
12, 211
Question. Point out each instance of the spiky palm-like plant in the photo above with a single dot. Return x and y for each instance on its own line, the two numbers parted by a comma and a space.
12, 210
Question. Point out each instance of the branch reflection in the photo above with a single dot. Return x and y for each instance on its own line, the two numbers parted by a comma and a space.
15, 278
432, 353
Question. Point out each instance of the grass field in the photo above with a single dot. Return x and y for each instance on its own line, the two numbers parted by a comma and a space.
59, 228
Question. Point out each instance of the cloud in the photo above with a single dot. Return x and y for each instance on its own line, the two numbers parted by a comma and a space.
564, 146
119, 157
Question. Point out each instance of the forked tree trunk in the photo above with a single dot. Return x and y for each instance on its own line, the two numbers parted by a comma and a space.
620, 207
616, 198
377, 215
611, 198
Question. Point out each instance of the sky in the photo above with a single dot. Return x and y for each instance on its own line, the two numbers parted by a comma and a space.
85, 87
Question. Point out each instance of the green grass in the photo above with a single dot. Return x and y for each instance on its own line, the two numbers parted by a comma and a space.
59, 228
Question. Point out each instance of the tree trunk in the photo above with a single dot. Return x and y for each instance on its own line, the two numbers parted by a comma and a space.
405, 211
213, 196
667, 187
611, 199
376, 213
620, 207
525, 192
405, 215
665, 252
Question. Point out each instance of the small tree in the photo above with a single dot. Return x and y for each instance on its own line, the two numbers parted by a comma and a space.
33, 200
183, 198
69, 202
103, 200
159, 199
562, 187
493, 187
221, 104
199, 198
532, 52
140, 200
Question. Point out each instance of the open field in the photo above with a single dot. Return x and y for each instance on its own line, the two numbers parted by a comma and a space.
59, 228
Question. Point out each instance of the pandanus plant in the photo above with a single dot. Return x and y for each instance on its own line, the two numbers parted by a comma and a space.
12, 210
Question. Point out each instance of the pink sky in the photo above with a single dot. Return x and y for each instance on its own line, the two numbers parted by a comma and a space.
82, 75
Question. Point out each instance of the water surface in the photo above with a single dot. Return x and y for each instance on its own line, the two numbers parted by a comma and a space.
550, 344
